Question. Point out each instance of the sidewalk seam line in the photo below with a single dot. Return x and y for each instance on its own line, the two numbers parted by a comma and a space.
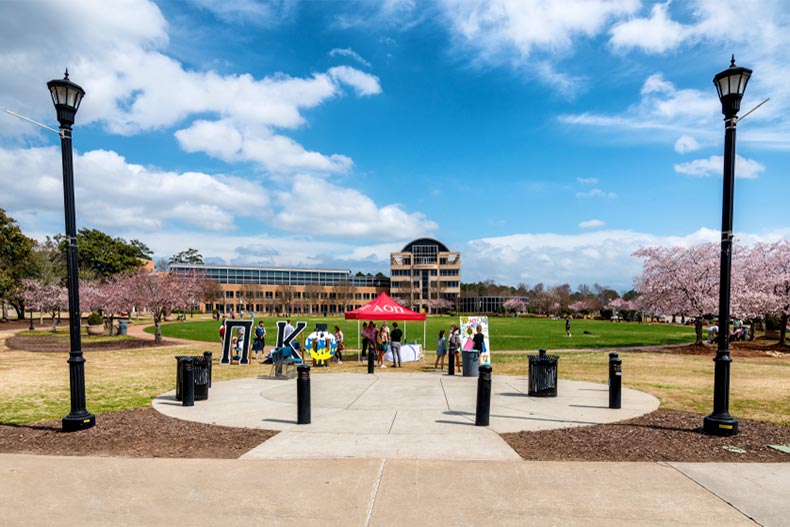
375, 382
375, 492
709, 491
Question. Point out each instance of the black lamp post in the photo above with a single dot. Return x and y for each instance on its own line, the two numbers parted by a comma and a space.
730, 84
67, 97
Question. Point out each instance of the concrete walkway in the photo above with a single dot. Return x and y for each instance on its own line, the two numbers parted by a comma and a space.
399, 415
391, 449
45, 491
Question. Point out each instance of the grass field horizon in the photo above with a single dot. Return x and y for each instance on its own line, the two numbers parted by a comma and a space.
505, 333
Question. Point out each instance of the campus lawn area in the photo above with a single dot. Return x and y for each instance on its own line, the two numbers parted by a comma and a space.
35, 386
506, 333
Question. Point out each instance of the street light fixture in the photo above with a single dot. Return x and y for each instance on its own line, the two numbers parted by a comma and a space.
730, 85
67, 97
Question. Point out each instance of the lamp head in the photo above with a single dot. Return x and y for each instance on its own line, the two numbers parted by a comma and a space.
730, 85
66, 96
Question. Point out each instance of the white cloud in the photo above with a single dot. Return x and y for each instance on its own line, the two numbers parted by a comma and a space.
596, 193
320, 208
591, 224
512, 32
602, 256
686, 144
587, 180
258, 12
275, 153
714, 166
655, 34
116, 195
132, 87
348, 52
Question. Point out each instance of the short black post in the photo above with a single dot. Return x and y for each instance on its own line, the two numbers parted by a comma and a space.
483, 410
615, 381
371, 361
31, 320
207, 355
451, 366
303, 394
188, 387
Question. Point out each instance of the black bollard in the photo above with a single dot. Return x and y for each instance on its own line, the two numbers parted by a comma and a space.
371, 361
451, 366
207, 356
483, 396
615, 381
188, 387
303, 394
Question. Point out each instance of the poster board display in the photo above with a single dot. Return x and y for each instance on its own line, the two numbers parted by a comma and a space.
468, 329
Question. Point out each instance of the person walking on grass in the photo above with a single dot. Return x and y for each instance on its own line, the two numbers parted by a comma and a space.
441, 351
568, 325
340, 345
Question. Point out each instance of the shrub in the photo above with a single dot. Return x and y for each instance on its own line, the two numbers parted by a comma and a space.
94, 319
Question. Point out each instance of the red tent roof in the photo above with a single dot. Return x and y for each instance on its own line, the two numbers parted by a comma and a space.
384, 308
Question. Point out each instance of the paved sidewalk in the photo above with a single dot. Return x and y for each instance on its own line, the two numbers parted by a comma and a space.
399, 415
45, 491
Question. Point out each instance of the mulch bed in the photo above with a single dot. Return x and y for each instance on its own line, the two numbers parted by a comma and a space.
133, 433
659, 436
39, 343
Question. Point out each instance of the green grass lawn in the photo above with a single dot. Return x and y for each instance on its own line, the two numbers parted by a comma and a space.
506, 333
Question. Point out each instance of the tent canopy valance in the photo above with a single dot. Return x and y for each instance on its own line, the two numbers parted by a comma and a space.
383, 307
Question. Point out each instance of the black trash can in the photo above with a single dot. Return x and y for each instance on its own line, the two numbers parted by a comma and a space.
122, 327
180, 377
470, 361
201, 365
543, 375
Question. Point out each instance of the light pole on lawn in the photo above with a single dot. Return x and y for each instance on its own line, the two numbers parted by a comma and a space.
730, 85
67, 97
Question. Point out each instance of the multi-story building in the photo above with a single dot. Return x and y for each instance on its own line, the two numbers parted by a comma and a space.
275, 290
425, 270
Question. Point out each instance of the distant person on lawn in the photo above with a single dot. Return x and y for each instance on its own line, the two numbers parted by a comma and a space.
568, 326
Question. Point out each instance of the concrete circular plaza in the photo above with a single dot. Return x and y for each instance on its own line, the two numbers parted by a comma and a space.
399, 415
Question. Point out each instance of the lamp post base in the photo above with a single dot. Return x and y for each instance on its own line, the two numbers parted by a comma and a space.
77, 422
720, 425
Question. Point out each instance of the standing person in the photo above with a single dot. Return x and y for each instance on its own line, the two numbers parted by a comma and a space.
252, 314
395, 338
340, 345
441, 351
479, 340
288, 329
383, 339
363, 354
568, 325
258, 344
454, 346
222, 332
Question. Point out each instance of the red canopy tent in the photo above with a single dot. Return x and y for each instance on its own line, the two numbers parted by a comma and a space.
383, 307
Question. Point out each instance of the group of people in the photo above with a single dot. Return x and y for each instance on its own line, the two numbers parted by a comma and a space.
452, 346
378, 341
739, 331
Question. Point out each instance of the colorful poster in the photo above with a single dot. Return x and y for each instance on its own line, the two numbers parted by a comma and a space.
469, 327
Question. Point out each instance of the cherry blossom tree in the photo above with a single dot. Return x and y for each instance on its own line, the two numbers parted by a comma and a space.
439, 304
515, 305
680, 280
159, 293
45, 297
585, 305
765, 277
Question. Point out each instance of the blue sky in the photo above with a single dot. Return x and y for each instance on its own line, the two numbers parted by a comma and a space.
545, 140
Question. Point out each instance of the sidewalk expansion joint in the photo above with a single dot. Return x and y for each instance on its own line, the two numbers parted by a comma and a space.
375, 381
375, 492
